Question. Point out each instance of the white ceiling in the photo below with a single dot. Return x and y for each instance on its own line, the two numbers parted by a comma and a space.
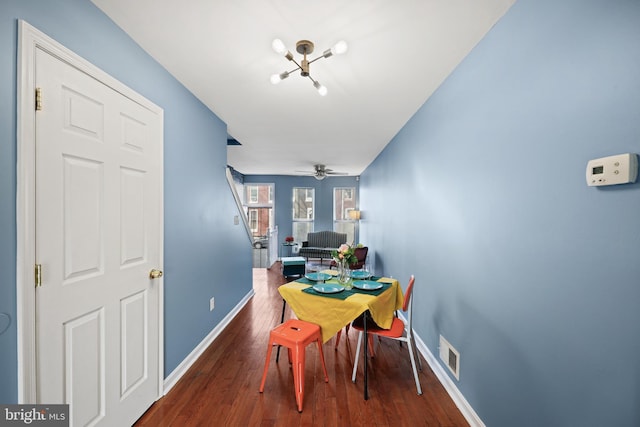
399, 53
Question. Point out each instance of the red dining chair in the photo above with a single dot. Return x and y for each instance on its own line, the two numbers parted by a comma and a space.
339, 334
399, 331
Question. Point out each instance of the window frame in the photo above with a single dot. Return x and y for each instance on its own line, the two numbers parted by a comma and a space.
309, 219
345, 221
251, 199
252, 203
252, 215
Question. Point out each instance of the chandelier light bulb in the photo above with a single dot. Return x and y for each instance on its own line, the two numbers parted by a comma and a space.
277, 78
278, 46
339, 48
322, 90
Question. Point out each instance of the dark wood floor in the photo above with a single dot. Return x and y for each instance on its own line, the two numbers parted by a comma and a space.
221, 388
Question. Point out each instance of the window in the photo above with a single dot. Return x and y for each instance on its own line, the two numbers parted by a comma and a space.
253, 220
252, 191
260, 213
303, 212
343, 203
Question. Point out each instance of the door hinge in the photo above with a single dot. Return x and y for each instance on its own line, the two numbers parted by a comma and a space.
38, 99
38, 271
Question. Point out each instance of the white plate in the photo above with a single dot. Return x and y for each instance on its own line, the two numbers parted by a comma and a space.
328, 288
365, 285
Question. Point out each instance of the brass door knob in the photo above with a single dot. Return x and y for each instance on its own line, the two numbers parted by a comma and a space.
154, 274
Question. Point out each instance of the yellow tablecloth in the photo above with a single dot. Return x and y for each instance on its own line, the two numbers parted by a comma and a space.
332, 314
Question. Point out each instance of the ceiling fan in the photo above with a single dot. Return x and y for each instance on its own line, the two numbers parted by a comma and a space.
321, 172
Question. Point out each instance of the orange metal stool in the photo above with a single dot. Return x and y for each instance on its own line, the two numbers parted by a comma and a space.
296, 335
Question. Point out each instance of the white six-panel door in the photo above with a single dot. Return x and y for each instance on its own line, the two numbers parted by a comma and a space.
98, 219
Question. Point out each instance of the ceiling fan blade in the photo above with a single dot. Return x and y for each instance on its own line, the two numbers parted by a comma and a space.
320, 170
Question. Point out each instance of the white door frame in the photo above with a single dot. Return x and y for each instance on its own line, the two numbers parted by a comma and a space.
30, 39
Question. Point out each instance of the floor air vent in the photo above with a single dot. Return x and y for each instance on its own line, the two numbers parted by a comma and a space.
450, 357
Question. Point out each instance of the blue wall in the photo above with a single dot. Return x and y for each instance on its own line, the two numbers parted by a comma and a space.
533, 276
199, 208
323, 194
529, 273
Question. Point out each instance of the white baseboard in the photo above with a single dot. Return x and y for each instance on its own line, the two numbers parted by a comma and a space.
465, 408
182, 368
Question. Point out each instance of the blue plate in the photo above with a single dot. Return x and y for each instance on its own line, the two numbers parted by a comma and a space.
318, 277
360, 274
328, 288
367, 285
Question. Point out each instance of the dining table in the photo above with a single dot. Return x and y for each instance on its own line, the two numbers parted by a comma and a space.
326, 304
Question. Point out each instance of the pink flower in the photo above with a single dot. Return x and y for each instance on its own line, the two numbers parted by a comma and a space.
343, 248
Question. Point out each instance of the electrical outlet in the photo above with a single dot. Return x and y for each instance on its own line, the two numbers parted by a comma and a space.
211, 303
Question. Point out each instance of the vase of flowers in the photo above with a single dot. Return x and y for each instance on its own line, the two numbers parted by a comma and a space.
344, 256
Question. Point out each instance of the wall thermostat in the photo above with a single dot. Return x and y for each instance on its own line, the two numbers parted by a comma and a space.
612, 170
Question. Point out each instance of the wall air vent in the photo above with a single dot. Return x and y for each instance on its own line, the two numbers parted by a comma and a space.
450, 356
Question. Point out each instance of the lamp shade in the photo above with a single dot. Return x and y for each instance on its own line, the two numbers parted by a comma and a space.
354, 214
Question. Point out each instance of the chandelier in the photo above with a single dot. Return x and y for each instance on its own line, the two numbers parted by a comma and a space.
305, 47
